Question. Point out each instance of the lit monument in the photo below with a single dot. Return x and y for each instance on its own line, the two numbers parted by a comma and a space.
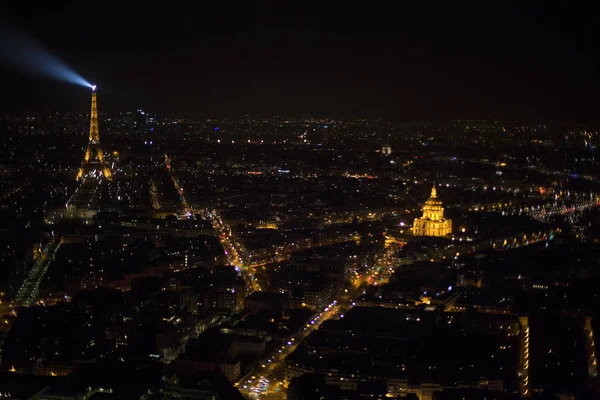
432, 223
93, 162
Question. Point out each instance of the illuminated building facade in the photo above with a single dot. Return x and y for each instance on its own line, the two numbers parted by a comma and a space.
93, 160
432, 223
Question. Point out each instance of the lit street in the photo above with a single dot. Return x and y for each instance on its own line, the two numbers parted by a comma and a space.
267, 379
29, 291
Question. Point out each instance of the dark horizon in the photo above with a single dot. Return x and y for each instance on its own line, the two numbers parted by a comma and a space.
417, 63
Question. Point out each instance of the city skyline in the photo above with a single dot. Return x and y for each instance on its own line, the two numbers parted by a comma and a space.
280, 258
299, 201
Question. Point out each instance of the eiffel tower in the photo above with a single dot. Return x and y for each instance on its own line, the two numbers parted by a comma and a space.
93, 162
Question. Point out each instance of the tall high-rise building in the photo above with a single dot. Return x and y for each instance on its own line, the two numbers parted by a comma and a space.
432, 223
93, 161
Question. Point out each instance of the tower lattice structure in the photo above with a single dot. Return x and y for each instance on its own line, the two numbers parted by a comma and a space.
93, 160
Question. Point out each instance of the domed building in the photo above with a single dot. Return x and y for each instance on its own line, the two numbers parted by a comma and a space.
432, 223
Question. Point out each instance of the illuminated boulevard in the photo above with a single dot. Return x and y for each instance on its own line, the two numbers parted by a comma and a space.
29, 291
269, 372
235, 252
187, 209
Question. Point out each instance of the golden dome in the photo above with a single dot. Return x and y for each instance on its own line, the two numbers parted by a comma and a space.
433, 201
432, 223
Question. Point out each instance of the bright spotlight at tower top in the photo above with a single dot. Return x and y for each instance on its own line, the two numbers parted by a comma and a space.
93, 88
23, 53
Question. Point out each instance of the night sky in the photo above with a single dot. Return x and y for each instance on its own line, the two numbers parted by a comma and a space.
537, 62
